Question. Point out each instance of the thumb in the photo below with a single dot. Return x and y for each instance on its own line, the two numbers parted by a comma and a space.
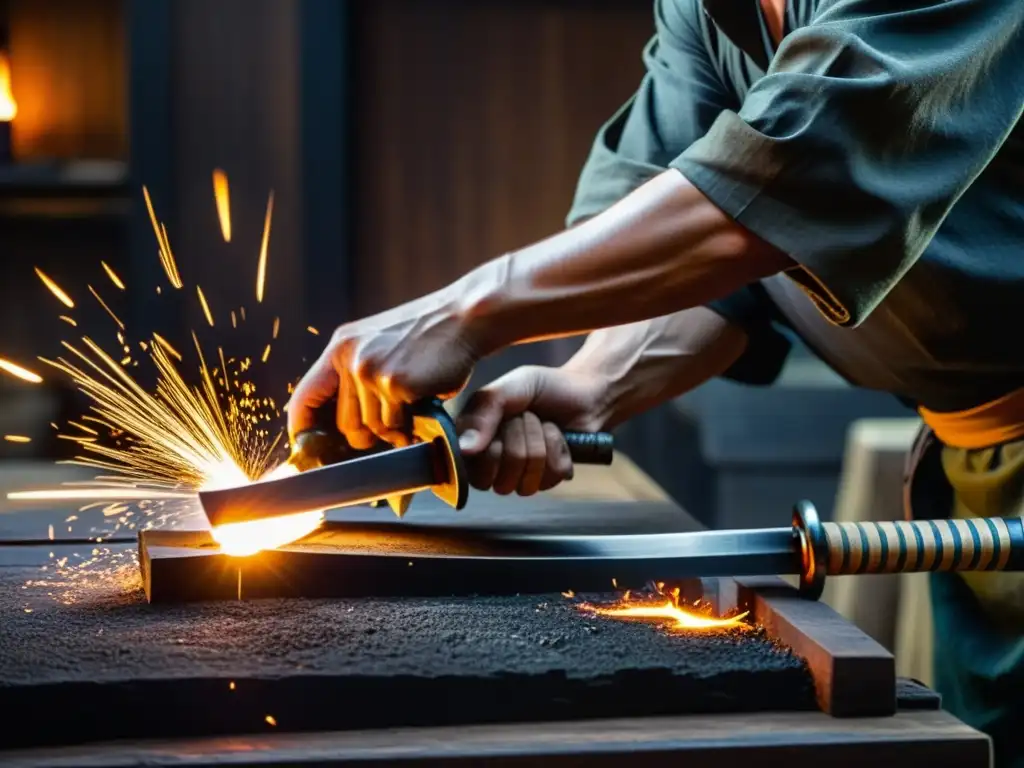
318, 386
488, 407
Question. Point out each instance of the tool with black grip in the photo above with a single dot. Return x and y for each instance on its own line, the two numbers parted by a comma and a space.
331, 475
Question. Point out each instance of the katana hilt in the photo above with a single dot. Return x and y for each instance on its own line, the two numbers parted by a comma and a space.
904, 546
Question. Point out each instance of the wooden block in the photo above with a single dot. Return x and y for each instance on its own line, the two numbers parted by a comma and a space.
854, 675
794, 740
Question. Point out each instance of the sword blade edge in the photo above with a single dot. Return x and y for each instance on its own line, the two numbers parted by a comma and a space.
357, 481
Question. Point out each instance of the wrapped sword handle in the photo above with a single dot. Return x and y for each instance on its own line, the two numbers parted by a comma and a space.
907, 546
904, 546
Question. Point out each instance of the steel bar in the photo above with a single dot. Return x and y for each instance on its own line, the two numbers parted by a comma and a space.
377, 560
356, 481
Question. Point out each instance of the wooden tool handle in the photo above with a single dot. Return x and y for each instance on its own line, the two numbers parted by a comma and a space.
590, 447
977, 544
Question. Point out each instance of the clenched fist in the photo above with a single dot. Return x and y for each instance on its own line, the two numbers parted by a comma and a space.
510, 432
379, 365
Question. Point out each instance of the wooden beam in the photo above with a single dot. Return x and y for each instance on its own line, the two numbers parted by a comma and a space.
795, 740
152, 159
854, 675
325, 145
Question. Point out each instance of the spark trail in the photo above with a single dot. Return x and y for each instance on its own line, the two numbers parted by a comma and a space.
156, 449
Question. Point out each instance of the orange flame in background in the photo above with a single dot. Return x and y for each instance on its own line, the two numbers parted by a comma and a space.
8, 106
665, 608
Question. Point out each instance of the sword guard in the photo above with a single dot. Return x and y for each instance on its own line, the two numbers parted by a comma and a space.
813, 548
431, 423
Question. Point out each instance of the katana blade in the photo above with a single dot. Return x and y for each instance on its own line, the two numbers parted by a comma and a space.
589, 562
407, 559
356, 481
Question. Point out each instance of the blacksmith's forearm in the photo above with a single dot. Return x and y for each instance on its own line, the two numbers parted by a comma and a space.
662, 249
648, 363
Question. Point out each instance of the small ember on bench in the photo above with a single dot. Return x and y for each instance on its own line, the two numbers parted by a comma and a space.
658, 605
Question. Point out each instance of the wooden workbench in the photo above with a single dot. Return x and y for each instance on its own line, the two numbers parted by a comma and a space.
932, 738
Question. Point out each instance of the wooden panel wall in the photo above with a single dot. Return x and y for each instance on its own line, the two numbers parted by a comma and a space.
473, 119
235, 96
68, 77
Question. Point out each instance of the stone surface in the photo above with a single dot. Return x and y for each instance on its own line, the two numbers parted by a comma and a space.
110, 666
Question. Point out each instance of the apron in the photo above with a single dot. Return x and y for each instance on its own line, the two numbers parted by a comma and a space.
978, 617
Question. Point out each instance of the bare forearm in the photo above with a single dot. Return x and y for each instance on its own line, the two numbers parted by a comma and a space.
662, 249
644, 364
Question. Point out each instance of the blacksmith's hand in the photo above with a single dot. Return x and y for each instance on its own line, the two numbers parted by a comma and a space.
510, 432
378, 365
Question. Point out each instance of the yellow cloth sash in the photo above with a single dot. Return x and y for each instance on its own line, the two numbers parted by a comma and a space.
999, 421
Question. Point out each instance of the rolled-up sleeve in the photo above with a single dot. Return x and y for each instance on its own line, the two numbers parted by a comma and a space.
678, 100
867, 128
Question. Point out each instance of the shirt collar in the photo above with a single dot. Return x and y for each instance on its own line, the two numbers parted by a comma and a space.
742, 25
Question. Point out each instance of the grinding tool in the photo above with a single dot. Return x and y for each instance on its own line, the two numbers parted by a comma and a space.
332, 475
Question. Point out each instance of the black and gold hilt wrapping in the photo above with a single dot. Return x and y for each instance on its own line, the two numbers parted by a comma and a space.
325, 445
905, 546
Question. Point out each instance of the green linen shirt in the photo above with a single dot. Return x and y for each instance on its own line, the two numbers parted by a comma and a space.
879, 146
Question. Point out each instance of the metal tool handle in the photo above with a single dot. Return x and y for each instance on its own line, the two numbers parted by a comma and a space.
325, 445
590, 447
905, 546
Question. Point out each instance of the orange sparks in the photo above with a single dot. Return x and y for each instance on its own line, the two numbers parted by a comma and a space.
266, 353
312, 330
69, 320
55, 289
206, 307
171, 267
111, 494
681, 619
104, 305
17, 439
21, 373
167, 346
112, 275
277, 327
261, 271
270, 720
166, 257
223, 201
231, 685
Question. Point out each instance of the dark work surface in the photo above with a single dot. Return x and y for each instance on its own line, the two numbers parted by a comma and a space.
110, 666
